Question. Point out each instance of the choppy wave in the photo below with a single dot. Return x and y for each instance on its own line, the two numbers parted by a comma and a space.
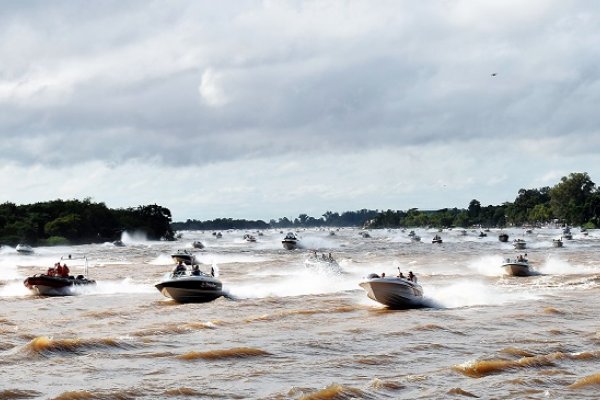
288, 313
10, 394
461, 392
333, 392
43, 345
178, 328
478, 369
126, 394
236, 352
590, 380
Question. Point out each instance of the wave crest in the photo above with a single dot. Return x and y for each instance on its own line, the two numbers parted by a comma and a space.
237, 352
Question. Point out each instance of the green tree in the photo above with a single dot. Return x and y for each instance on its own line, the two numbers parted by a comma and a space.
571, 197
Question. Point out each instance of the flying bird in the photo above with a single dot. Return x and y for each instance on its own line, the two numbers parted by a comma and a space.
494, 74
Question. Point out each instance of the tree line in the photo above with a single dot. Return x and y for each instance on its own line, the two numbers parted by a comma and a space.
76, 222
575, 200
331, 219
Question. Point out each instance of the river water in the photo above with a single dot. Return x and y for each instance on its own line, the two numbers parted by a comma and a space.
288, 332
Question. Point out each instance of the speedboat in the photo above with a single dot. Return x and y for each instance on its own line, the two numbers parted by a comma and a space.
482, 234
415, 238
249, 238
24, 249
323, 264
503, 237
567, 233
53, 284
436, 239
393, 292
557, 242
517, 267
184, 256
519, 244
196, 287
290, 241
197, 244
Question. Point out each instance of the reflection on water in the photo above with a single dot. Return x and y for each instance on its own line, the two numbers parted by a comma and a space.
288, 331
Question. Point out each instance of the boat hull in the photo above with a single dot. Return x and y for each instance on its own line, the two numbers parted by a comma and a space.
394, 292
191, 289
517, 269
289, 244
45, 285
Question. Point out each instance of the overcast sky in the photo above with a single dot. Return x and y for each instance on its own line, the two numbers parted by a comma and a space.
266, 109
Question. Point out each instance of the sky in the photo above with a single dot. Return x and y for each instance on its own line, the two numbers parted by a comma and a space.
269, 109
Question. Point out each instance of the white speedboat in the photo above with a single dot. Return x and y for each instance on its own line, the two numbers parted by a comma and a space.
393, 292
519, 244
323, 264
290, 241
566, 234
517, 267
557, 242
197, 244
249, 238
184, 256
437, 239
24, 249
196, 287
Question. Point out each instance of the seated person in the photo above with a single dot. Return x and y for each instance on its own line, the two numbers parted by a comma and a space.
412, 277
196, 270
65, 271
180, 269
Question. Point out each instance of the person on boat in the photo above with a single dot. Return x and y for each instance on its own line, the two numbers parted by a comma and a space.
400, 274
212, 271
412, 277
330, 258
196, 270
180, 269
52, 270
383, 274
58, 270
65, 271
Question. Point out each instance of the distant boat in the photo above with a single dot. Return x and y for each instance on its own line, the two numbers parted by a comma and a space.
184, 256
197, 244
436, 239
519, 244
503, 237
249, 238
567, 233
24, 249
557, 242
290, 241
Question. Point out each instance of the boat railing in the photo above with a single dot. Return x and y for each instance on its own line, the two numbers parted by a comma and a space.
77, 258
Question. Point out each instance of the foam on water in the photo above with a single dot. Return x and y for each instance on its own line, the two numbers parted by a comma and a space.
114, 287
466, 293
14, 289
136, 237
301, 282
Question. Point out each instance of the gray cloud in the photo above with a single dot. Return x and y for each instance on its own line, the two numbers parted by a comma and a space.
198, 83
